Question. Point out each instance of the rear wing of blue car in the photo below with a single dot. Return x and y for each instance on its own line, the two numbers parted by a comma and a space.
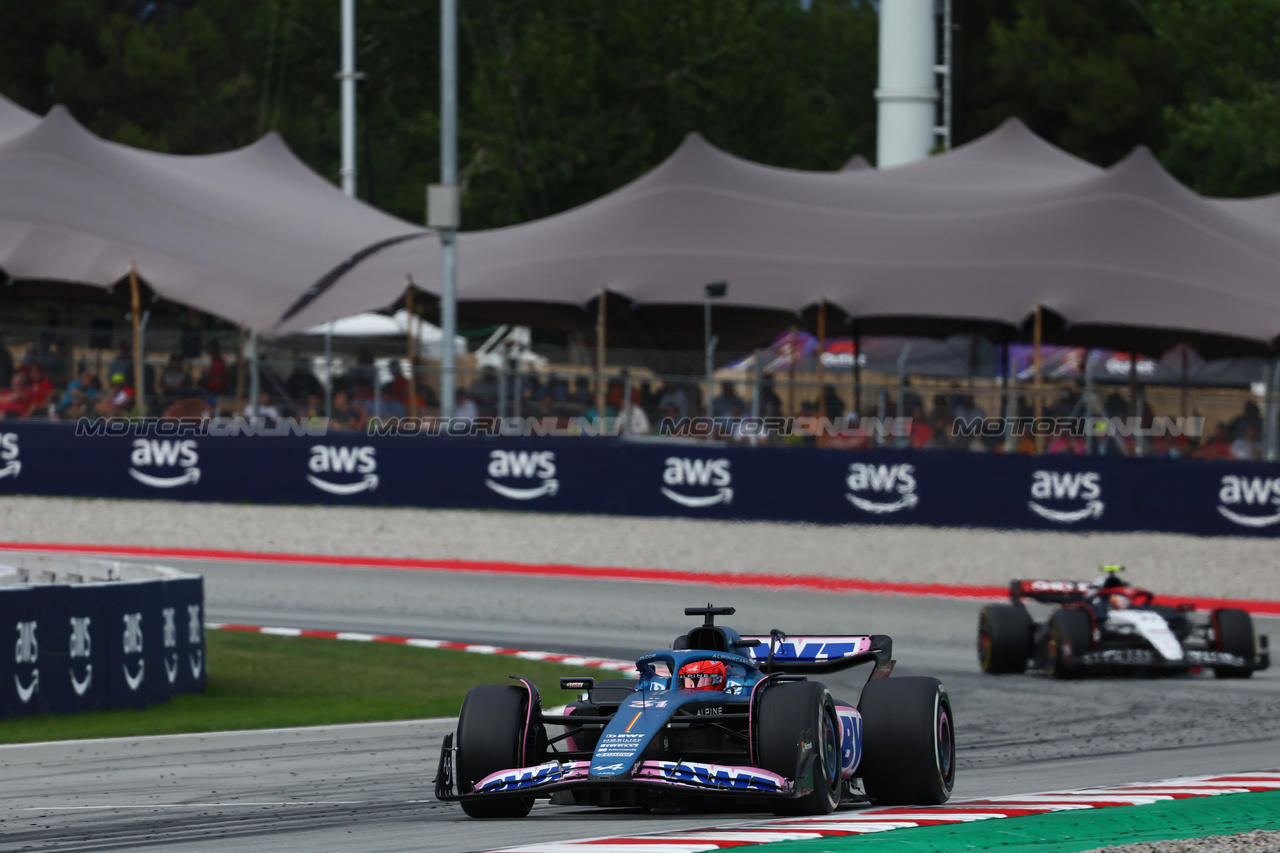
814, 654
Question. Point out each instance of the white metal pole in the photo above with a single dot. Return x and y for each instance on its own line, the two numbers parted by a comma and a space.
907, 95
449, 178
348, 85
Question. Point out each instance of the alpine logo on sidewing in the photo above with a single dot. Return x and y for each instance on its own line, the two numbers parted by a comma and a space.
881, 489
1237, 493
525, 466
165, 453
697, 473
1071, 487
329, 460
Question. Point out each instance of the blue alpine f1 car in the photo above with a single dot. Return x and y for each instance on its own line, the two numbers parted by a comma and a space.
719, 715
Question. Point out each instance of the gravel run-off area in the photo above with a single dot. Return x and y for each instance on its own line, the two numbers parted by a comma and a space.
1226, 567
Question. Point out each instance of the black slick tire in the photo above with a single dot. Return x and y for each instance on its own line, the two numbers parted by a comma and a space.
908, 742
1233, 634
1004, 639
1070, 638
490, 738
795, 719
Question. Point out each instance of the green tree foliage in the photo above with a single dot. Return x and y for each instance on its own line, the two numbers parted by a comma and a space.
1224, 135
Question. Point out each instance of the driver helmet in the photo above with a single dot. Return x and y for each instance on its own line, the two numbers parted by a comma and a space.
702, 675
1120, 602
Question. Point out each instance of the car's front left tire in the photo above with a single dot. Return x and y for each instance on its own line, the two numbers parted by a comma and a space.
796, 718
909, 742
491, 735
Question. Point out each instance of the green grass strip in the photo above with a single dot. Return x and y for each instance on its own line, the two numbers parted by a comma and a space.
1066, 832
259, 681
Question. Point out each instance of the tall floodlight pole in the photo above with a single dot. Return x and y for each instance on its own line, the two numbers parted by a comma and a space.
442, 202
348, 78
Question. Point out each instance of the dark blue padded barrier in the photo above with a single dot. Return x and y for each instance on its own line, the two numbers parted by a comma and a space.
591, 475
80, 647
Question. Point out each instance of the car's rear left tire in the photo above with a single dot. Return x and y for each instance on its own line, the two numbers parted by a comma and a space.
1004, 638
908, 742
1070, 638
1233, 634
491, 734
793, 715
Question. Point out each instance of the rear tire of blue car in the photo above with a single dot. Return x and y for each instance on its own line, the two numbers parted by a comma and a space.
1233, 634
908, 742
794, 715
491, 730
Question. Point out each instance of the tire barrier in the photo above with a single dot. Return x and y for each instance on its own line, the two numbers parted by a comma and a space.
650, 478
91, 634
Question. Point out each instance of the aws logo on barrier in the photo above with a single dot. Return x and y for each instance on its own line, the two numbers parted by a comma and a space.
26, 653
881, 489
1069, 486
698, 473
12, 466
168, 454
526, 467
133, 646
329, 460
1245, 493
81, 648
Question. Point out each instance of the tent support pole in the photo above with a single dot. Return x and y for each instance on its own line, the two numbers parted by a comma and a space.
792, 358
1186, 401
600, 345
140, 396
1134, 410
822, 346
757, 376
1038, 337
857, 369
328, 372
254, 378
411, 333
1272, 450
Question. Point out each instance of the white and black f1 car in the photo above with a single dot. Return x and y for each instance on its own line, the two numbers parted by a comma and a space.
1107, 628
718, 715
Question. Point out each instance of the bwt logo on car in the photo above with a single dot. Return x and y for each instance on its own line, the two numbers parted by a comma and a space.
165, 453
897, 482
326, 459
1241, 492
701, 473
538, 466
9, 455
1073, 486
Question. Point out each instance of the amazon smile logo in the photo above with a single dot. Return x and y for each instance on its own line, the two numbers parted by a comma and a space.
681, 473
527, 467
881, 489
328, 460
1075, 496
165, 453
1249, 501
26, 652
81, 648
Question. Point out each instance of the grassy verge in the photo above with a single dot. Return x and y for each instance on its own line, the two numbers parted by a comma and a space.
258, 681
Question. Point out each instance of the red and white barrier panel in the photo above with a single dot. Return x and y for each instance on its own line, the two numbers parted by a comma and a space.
864, 821
422, 643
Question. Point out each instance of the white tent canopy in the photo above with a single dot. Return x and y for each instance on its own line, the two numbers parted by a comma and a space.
370, 325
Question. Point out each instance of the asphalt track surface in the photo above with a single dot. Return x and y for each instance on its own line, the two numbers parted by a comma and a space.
368, 788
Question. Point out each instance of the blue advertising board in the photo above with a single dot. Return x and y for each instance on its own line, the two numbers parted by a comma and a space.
685, 479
